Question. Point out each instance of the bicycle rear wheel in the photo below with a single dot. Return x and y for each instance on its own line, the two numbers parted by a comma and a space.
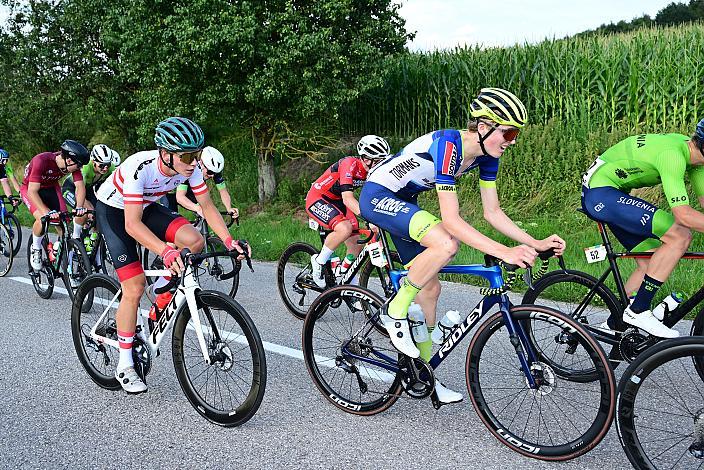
94, 295
335, 336
6, 251
229, 391
560, 419
75, 266
661, 406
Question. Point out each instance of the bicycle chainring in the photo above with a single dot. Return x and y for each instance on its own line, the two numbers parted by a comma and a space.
418, 379
142, 357
630, 341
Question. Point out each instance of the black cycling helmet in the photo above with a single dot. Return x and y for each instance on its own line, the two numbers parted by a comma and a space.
75, 151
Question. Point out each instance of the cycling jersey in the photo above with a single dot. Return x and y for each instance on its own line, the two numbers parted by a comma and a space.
218, 179
344, 175
6, 171
93, 179
139, 180
432, 160
43, 169
647, 160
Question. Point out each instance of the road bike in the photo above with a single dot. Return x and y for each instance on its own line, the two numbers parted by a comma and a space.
372, 266
590, 301
217, 352
65, 258
660, 412
11, 222
550, 396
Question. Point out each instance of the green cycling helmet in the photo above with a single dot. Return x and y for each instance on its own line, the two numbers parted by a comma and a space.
179, 134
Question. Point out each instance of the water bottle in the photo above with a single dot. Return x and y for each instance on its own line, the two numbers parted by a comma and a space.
668, 304
334, 264
89, 242
54, 251
445, 326
346, 263
419, 330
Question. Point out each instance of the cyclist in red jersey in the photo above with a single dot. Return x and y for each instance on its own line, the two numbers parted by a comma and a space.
41, 192
331, 202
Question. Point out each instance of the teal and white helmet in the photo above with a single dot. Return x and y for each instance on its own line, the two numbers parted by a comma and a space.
179, 134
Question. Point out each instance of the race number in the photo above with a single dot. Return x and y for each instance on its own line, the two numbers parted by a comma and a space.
313, 225
595, 253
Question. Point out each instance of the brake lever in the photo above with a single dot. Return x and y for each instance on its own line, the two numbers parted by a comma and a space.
243, 244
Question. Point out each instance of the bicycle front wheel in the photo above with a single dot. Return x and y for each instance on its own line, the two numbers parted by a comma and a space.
6, 251
295, 280
559, 419
229, 390
212, 269
15, 229
75, 266
660, 412
43, 279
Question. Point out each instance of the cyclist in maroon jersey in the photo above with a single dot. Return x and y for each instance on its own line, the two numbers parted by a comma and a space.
41, 191
331, 202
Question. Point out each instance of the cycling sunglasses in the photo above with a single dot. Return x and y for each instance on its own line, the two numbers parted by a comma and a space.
509, 134
188, 157
104, 166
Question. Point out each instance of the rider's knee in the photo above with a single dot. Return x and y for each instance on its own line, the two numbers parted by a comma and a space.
344, 228
197, 245
132, 290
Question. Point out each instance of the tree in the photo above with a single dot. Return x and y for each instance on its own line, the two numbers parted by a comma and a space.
675, 13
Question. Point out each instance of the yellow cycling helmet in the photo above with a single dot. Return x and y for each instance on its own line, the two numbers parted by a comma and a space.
500, 106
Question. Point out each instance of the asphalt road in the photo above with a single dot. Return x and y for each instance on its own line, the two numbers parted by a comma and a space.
53, 416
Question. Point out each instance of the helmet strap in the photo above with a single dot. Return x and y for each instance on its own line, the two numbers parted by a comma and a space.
482, 138
170, 164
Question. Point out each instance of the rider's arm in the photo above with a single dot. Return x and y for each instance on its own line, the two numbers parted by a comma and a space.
498, 218
183, 200
350, 201
140, 232
6, 187
80, 193
689, 217
212, 215
461, 230
14, 183
225, 198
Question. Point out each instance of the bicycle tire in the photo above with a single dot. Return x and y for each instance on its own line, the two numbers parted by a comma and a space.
300, 253
324, 311
85, 312
635, 411
219, 265
80, 266
367, 269
44, 290
183, 348
105, 265
15, 228
7, 252
576, 285
595, 416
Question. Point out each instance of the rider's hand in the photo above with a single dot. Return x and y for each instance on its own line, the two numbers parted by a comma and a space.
16, 202
199, 211
234, 212
373, 228
522, 255
231, 245
553, 241
53, 215
80, 211
172, 259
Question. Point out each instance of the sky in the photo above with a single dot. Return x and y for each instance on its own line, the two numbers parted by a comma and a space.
442, 24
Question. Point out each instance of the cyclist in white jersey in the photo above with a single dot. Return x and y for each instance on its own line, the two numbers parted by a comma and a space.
126, 214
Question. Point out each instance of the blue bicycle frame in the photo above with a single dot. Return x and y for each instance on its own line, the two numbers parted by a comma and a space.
494, 275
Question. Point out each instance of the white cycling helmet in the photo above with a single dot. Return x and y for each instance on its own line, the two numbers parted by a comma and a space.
116, 159
212, 160
103, 155
373, 147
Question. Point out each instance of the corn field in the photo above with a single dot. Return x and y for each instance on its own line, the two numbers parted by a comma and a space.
650, 77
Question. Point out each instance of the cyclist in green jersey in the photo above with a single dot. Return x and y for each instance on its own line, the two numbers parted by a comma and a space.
6, 174
101, 166
212, 163
644, 161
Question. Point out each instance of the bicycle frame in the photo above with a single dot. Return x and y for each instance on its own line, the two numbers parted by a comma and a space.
494, 275
185, 292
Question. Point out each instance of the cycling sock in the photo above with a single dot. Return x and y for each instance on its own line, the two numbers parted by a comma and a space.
125, 340
37, 241
77, 229
426, 347
398, 307
324, 255
645, 294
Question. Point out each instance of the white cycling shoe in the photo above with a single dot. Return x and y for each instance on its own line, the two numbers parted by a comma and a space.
317, 271
130, 381
647, 322
400, 335
35, 258
445, 395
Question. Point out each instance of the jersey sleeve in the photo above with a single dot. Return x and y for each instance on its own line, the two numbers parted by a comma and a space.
445, 151
672, 166
182, 187
8, 169
77, 175
35, 173
346, 171
3, 172
696, 178
197, 183
488, 169
219, 181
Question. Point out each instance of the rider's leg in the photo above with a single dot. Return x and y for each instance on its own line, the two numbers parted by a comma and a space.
636, 278
341, 231
126, 317
427, 299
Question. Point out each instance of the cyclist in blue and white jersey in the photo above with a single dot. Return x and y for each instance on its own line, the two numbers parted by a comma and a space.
426, 243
